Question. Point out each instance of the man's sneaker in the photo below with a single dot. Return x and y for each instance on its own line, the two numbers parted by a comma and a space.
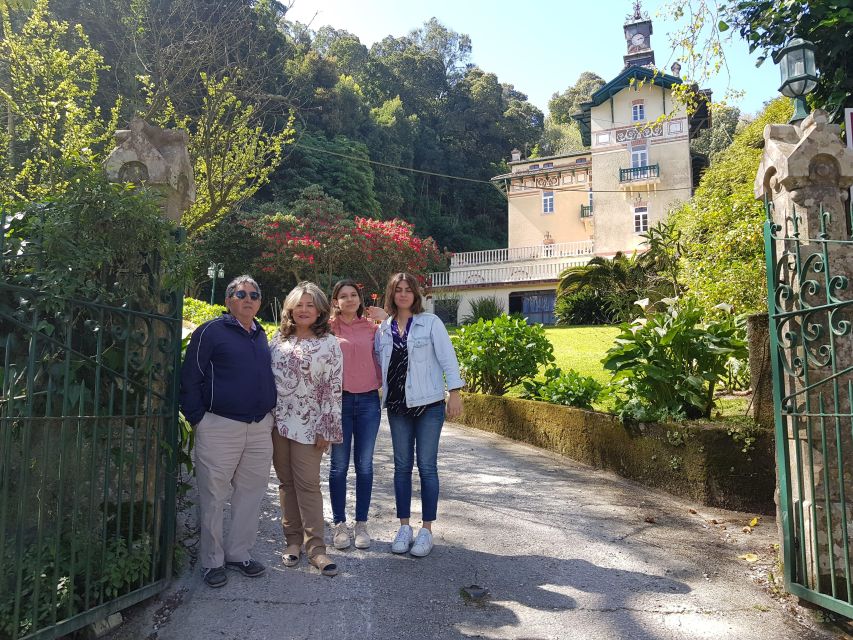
341, 539
402, 540
251, 568
215, 577
362, 537
423, 543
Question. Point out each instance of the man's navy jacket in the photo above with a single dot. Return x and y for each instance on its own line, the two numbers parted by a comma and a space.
227, 371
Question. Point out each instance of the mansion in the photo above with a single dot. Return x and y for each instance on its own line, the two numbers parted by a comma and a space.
565, 209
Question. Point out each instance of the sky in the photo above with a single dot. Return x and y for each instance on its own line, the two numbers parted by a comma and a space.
541, 46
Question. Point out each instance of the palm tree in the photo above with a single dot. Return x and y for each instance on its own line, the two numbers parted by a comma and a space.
619, 281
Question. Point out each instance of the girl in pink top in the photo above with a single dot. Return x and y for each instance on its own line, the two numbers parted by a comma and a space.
354, 328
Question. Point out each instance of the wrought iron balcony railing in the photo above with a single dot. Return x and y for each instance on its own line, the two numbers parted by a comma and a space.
634, 174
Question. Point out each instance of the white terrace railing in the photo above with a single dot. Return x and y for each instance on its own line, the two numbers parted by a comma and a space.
519, 254
509, 273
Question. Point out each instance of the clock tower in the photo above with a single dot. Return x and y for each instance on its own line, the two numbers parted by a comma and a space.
638, 33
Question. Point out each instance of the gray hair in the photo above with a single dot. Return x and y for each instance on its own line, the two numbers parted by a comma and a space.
236, 282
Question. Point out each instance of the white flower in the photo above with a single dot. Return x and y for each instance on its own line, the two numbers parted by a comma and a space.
724, 307
642, 303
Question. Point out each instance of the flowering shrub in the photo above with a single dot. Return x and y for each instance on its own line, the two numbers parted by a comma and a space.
323, 244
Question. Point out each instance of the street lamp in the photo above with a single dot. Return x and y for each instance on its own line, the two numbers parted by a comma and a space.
799, 76
214, 270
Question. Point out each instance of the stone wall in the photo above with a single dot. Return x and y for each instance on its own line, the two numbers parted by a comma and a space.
700, 461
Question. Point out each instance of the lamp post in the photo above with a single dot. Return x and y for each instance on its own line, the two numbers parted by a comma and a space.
214, 270
799, 76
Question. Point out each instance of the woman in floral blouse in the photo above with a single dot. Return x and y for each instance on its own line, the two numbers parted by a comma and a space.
307, 364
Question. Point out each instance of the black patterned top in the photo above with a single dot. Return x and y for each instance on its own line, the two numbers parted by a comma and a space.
397, 370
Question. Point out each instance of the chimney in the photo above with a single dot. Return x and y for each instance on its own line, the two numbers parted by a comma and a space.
516, 155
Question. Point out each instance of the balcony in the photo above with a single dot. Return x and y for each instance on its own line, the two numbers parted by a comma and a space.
521, 254
586, 211
530, 272
639, 174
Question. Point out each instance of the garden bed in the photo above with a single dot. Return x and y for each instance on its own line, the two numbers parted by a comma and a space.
722, 464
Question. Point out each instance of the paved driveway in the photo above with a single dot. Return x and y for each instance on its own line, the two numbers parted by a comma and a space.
563, 550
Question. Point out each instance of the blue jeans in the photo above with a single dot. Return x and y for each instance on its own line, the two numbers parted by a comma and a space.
360, 415
408, 435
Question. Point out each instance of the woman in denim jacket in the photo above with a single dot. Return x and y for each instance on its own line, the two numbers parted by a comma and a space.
416, 357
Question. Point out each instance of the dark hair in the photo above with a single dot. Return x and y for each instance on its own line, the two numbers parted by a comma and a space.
321, 326
409, 279
236, 282
340, 284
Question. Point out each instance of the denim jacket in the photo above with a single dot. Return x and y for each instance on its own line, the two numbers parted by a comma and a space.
432, 360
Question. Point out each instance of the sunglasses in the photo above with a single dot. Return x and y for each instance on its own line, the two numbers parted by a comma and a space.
254, 295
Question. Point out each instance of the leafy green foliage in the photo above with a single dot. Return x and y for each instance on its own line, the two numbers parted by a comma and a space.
113, 568
721, 227
617, 281
669, 363
558, 387
233, 155
485, 308
768, 26
562, 105
53, 123
198, 312
498, 354
584, 306
720, 135
94, 241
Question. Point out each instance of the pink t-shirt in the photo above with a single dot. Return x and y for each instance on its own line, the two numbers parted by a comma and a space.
361, 371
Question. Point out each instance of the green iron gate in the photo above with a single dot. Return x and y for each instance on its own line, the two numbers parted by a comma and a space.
88, 418
810, 305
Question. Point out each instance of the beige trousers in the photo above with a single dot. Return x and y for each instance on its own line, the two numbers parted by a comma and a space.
231, 454
297, 466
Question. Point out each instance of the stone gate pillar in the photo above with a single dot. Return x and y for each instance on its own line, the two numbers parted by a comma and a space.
805, 175
156, 159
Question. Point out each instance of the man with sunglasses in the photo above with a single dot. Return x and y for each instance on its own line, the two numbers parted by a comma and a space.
227, 394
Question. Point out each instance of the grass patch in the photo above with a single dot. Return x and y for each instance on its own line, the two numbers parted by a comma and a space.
581, 349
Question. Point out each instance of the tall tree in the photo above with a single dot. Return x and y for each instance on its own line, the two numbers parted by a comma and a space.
768, 26
721, 226
562, 105
720, 135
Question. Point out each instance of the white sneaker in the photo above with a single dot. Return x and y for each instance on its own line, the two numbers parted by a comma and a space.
341, 539
362, 537
403, 539
423, 543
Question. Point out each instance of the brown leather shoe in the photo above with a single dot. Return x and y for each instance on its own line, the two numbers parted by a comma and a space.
324, 564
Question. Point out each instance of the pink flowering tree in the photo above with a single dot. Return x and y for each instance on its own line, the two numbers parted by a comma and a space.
317, 241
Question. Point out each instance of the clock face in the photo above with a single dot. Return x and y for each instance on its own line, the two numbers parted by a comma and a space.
638, 39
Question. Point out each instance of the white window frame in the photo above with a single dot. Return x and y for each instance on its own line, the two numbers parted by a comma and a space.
533, 167
548, 165
641, 219
547, 202
638, 112
639, 157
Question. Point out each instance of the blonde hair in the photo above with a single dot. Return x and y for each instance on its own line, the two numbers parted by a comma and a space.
321, 303
409, 279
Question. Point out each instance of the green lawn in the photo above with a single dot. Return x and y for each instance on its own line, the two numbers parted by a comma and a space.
582, 348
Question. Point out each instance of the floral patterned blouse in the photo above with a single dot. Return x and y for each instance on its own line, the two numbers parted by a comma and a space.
308, 378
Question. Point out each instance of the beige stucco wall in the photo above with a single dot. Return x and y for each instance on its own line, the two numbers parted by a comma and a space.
668, 146
527, 223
